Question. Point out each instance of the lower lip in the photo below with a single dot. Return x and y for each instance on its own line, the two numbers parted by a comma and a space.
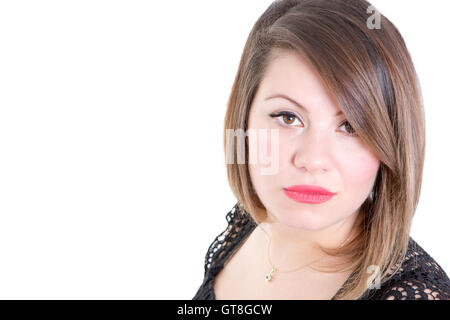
305, 197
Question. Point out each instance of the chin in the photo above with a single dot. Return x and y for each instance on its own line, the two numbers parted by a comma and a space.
302, 220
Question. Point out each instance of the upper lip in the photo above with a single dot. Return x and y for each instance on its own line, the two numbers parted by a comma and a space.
309, 189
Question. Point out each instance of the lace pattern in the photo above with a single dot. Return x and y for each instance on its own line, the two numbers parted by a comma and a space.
419, 278
239, 224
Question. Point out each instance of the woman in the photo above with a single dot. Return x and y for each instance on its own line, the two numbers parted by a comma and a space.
334, 150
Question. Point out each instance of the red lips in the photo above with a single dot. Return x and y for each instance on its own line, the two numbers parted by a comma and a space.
308, 194
310, 189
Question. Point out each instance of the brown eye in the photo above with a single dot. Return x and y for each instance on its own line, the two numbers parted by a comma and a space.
286, 118
349, 128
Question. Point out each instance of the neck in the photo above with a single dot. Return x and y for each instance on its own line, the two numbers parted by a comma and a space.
291, 247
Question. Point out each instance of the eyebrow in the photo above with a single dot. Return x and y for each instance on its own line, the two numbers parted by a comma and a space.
296, 103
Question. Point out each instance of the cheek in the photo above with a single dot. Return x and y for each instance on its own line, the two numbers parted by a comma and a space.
269, 149
286, 152
266, 148
360, 170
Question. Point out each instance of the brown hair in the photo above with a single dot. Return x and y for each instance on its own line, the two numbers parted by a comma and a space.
371, 75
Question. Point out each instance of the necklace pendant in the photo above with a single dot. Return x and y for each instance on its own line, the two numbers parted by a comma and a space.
268, 276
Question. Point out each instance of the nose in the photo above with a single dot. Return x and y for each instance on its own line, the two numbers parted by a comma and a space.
313, 152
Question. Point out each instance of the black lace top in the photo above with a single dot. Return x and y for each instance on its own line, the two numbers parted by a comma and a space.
419, 278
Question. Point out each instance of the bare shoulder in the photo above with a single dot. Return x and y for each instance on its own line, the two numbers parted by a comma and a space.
239, 267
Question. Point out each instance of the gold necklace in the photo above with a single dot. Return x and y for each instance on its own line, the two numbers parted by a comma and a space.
268, 276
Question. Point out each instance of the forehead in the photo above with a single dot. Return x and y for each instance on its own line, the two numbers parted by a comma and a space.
290, 74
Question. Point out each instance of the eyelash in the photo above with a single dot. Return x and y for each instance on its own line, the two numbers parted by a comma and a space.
290, 114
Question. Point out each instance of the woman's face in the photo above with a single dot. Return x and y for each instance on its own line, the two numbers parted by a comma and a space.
314, 147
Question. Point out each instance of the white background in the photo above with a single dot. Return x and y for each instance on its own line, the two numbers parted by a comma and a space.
112, 175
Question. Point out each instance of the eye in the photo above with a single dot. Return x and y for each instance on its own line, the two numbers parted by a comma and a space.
346, 124
285, 118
